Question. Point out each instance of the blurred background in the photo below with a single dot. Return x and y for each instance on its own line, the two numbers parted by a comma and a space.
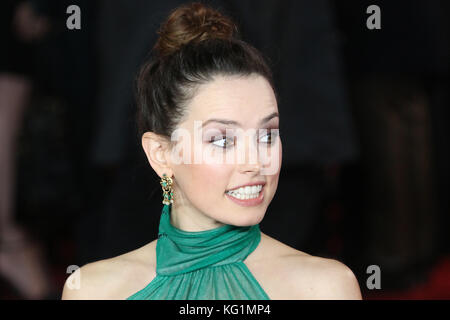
364, 120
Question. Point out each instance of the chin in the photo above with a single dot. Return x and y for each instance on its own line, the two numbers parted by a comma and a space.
247, 220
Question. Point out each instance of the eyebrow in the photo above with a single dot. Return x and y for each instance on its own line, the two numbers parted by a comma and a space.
235, 123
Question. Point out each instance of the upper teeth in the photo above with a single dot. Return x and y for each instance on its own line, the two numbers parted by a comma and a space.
247, 190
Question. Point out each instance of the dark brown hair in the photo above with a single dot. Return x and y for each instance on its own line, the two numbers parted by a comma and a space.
195, 44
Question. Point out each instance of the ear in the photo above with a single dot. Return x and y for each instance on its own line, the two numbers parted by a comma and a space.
156, 150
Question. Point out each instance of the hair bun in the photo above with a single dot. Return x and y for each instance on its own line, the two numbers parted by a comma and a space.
194, 22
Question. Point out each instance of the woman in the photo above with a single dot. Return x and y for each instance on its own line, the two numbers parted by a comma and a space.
206, 85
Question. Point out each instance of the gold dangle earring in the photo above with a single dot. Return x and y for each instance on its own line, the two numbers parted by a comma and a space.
166, 184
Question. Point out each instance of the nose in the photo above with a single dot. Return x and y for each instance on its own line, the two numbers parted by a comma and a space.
251, 161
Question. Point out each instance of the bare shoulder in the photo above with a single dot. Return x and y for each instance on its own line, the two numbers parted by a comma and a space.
114, 278
322, 278
303, 276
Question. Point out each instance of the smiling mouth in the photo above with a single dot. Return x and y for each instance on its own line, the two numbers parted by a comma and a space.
246, 193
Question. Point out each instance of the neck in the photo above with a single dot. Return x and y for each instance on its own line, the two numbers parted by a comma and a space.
190, 219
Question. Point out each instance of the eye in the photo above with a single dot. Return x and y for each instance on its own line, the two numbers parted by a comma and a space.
271, 136
223, 140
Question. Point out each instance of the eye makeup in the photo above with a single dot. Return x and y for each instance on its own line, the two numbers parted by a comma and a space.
216, 137
272, 133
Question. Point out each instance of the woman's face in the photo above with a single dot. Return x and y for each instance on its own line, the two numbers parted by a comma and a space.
227, 152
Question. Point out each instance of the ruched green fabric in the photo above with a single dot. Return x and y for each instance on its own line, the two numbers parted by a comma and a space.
203, 265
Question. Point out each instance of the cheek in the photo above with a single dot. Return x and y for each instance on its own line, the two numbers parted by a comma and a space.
207, 180
281, 155
280, 160
274, 172
271, 159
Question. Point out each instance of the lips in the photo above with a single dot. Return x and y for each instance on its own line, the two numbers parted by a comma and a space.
247, 202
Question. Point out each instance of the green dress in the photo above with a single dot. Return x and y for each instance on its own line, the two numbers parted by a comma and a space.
203, 265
